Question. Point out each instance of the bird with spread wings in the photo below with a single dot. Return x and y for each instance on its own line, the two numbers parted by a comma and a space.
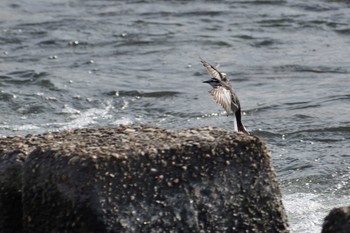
224, 95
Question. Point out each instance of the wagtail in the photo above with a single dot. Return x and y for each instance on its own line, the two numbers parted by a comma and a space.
224, 95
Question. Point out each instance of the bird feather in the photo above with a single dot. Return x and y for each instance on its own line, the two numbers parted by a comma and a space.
212, 71
222, 96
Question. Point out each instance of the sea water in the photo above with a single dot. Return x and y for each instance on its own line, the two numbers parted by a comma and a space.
73, 64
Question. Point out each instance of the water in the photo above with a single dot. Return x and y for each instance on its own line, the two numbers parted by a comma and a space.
81, 63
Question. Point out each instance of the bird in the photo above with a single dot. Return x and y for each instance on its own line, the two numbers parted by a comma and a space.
223, 94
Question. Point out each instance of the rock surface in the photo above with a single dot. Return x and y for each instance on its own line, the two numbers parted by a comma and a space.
10, 191
337, 221
139, 179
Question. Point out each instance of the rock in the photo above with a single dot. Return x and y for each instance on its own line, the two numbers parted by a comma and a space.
337, 221
146, 179
10, 191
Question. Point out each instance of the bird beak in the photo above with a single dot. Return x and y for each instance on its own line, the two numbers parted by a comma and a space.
208, 81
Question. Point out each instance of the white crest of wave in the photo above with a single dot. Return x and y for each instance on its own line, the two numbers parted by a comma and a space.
306, 211
81, 119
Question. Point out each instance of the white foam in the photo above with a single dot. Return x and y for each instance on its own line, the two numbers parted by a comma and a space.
69, 110
81, 119
306, 211
123, 121
25, 127
76, 118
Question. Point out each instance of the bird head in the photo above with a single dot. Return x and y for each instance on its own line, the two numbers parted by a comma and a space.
213, 82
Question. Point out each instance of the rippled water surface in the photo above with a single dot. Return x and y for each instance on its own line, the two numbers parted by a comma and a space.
81, 63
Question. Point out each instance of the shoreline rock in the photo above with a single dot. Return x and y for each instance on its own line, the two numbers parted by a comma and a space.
144, 179
11, 166
337, 221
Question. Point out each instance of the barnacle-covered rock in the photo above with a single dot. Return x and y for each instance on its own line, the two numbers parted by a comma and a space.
143, 179
337, 221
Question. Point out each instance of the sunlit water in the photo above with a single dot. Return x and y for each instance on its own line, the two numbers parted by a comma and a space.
79, 63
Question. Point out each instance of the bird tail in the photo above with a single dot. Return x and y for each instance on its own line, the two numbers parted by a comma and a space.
241, 128
240, 125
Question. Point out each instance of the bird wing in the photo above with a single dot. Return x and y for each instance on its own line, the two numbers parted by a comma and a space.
222, 96
213, 72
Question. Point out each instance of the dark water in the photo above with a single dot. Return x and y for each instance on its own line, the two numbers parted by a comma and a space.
81, 63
